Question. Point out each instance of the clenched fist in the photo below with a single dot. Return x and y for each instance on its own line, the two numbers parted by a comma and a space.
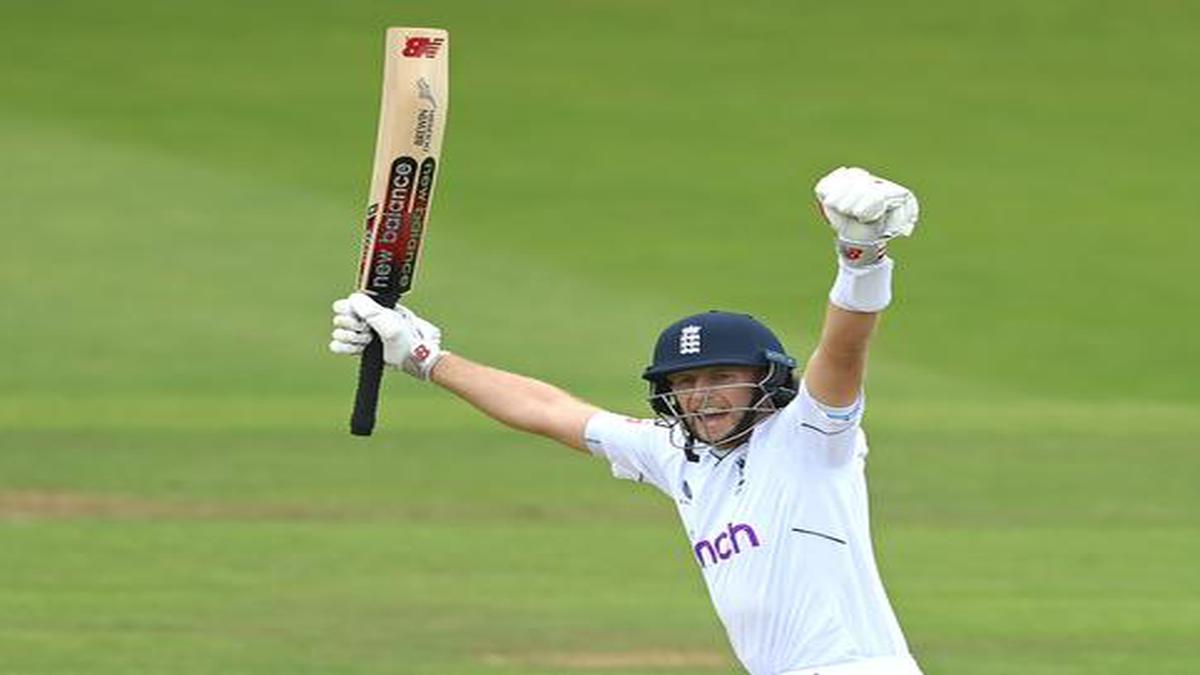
865, 211
409, 342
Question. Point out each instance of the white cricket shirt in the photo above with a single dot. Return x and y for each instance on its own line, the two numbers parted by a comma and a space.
779, 529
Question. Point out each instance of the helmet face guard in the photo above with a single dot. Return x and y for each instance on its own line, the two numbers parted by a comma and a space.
718, 339
765, 398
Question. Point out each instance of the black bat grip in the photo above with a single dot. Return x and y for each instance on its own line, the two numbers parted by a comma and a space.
366, 399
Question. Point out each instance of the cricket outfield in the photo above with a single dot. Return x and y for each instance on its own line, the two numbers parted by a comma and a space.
181, 202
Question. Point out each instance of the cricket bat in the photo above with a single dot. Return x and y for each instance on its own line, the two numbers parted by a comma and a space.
412, 117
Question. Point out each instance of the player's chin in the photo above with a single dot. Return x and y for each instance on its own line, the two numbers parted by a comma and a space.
712, 428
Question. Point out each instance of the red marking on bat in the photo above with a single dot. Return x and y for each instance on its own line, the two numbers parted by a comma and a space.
417, 47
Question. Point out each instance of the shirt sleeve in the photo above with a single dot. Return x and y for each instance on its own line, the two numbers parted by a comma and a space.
638, 449
835, 432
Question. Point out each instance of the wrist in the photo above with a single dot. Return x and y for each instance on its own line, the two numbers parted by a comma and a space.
422, 359
863, 288
432, 369
861, 253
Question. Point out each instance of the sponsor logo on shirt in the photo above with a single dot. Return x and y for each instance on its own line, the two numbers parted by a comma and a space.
734, 540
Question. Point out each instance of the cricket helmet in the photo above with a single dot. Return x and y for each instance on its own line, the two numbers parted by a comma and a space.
717, 338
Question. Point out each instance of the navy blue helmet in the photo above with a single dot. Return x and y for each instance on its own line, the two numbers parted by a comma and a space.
716, 338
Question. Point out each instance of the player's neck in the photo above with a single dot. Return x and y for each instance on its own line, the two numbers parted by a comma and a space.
722, 451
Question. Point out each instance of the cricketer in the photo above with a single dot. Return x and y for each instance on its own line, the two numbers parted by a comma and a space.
766, 469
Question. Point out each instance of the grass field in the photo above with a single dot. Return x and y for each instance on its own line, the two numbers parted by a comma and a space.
180, 201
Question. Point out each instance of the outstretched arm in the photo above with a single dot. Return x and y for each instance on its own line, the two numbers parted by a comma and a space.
520, 402
415, 346
865, 211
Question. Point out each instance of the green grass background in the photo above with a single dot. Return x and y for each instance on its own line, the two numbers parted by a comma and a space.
180, 192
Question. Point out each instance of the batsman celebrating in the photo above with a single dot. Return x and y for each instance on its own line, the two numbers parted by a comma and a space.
766, 469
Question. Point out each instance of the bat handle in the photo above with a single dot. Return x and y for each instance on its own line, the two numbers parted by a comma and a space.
366, 399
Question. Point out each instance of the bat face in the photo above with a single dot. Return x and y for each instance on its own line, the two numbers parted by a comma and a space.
395, 228
411, 121
412, 116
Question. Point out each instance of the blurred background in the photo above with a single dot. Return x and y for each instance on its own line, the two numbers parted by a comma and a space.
182, 187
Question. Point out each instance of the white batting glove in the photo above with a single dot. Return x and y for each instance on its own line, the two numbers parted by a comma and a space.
865, 211
409, 342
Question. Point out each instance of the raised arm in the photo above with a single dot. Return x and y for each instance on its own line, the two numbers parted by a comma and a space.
865, 211
834, 374
414, 345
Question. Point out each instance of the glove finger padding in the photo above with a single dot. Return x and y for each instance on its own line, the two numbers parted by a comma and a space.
868, 206
338, 347
862, 207
902, 217
350, 322
351, 336
835, 181
361, 305
386, 323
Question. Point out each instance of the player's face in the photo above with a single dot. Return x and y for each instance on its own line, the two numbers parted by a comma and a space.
713, 400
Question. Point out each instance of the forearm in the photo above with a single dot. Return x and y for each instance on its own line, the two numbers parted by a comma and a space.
861, 290
517, 401
835, 372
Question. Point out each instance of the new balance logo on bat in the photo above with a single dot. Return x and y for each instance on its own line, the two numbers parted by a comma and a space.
417, 47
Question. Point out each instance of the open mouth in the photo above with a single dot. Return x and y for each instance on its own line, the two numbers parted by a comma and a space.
711, 416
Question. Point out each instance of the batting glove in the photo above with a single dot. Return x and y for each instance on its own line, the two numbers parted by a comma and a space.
865, 211
409, 342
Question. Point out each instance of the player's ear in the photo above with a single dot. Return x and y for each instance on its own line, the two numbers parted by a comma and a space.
785, 392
